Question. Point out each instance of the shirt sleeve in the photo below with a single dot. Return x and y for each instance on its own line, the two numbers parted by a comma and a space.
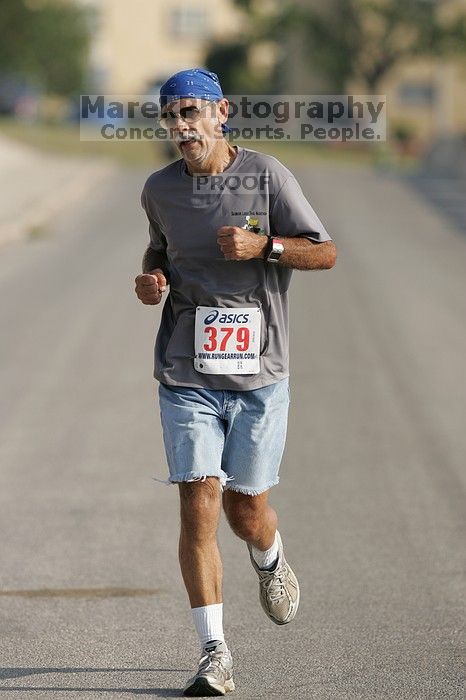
157, 240
292, 215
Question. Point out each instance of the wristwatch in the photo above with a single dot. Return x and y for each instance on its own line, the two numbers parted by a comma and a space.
274, 250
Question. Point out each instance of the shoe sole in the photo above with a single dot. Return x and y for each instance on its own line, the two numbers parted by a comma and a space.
202, 688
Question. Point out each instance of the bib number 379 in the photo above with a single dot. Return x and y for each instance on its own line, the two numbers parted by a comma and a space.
227, 341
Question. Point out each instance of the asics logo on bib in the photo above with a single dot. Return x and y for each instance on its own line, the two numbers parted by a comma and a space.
211, 317
226, 318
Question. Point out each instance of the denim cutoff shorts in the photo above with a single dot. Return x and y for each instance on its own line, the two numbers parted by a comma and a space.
237, 436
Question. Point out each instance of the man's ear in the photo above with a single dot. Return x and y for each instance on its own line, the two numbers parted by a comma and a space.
223, 106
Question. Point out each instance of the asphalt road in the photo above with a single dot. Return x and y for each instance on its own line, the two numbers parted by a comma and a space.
371, 501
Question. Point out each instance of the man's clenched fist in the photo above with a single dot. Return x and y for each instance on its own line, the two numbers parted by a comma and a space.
240, 244
149, 287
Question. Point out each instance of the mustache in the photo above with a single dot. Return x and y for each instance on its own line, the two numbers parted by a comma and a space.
187, 136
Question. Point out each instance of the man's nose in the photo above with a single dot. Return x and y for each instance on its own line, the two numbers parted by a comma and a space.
179, 120
178, 123
180, 126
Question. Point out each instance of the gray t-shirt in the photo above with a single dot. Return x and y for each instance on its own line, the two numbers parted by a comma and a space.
184, 219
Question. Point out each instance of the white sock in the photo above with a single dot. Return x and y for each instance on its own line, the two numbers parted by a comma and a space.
267, 558
208, 621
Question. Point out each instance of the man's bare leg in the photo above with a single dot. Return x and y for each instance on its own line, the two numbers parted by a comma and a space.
201, 565
253, 520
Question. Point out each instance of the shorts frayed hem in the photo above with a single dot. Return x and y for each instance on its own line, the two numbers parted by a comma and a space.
250, 492
194, 476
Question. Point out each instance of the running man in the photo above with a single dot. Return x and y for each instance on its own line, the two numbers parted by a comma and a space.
221, 354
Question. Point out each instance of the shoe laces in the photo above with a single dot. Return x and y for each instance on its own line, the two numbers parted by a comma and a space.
212, 659
275, 583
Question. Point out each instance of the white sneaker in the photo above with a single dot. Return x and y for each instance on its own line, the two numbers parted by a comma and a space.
215, 673
278, 589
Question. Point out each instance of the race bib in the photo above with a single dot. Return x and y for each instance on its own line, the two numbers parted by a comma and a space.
227, 341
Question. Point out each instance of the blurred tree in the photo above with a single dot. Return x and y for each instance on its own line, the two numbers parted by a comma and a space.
363, 39
232, 62
237, 61
46, 41
381, 33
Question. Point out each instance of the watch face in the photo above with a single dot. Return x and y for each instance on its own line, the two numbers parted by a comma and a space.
276, 251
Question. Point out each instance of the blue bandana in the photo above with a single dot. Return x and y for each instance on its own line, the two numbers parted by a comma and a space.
195, 82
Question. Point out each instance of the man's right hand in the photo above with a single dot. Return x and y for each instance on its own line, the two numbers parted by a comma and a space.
149, 286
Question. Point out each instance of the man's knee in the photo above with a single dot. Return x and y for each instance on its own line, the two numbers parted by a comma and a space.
200, 503
245, 514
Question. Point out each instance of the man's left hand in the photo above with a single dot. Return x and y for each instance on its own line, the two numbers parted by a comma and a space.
240, 244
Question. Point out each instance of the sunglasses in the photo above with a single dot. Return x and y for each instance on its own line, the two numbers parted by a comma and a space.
190, 115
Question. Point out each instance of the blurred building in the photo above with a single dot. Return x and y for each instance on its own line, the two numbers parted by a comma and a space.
140, 43
429, 95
